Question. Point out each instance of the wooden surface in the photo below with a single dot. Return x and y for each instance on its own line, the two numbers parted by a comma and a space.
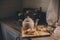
14, 24
41, 33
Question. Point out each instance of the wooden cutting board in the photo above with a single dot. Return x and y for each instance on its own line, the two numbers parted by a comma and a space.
36, 33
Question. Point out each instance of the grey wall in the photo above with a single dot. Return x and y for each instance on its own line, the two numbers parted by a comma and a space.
9, 7
36, 4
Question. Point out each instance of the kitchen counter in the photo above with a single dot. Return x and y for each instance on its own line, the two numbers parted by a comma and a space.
11, 23
14, 24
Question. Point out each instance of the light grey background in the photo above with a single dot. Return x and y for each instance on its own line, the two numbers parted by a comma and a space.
10, 7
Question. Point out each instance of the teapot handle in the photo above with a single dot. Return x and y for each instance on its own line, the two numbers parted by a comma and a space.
36, 22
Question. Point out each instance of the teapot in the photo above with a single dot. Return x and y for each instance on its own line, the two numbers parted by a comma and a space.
29, 23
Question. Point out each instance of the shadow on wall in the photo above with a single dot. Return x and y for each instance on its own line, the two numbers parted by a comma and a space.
9, 7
